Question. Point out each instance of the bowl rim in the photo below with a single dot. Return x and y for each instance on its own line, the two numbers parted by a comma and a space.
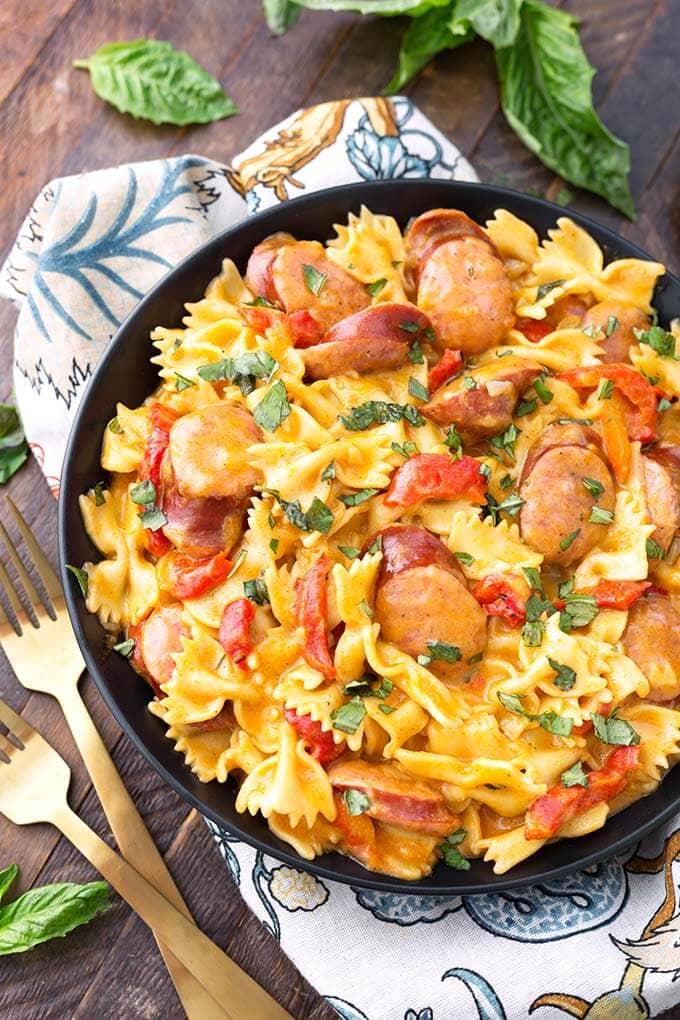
363, 879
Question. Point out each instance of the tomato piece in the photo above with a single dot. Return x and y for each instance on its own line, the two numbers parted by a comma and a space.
503, 595
641, 418
615, 438
261, 318
548, 813
534, 329
234, 632
320, 742
190, 577
436, 476
305, 328
448, 365
312, 615
617, 594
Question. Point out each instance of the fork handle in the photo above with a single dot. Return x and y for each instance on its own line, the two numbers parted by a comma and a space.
135, 843
231, 987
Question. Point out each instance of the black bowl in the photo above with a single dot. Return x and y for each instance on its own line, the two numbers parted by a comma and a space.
126, 374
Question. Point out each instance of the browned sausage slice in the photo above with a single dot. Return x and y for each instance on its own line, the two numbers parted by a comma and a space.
160, 637
662, 484
465, 289
554, 519
208, 450
259, 269
200, 527
619, 320
328, 292
421, 597
651, 641
488, 408
431, 229
568, 434
372, 340
395, 798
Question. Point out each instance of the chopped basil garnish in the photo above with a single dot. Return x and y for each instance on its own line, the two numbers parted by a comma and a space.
612, 730
417, 390
453, 441
506, 440
504, 354
115, 426
260, 302
568, 539
256, 592
386, 709
405, 449
317, 518
579, 611
98, 493
526, 407
359, 688
575, 776
664, 404
314, 280
606, 389
366, 609
125, 648
612, 324
506, 481
574, 421
153, 519
565, 677
242, 370
443, 651
532, 633
182, 383
143, 493
465, 558
409, 327
395, 264
274, 545
355, 498
356, 802
475, 658
469, 383
273, 408
328, 473
375, 287
349, 551
378, 412
81, 577
598, 515
543, 392
384, 690
566, 587
592, 486
348, 717
451, 856
592, 331
545, 288
560, 725
511, 506
659, 340
654, 550
376, 545
533, 579
415, 353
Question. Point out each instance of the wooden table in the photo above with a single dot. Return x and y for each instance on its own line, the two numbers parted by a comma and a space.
52, 124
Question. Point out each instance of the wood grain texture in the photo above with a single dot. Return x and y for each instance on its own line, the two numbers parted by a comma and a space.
52, 124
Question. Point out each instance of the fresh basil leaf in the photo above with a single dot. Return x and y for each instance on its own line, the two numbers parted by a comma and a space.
182, 382
350, 551
506, 440
566, 587
260, 302
606, 389
409, 326
314, 280
256, 592
49, 912
575, 776
415, 353
658, 339
81, 577
543, 392
348, 717
9, 420
536, 606
533, 578
512, 702
328, 473
612, 730
592, 331
453, 440
545, 83
568, 539
451, 856
384, 690
497, 21
379, 412
565, 676
356, 802
579, 611
125, 648
405, 449
11, 460
153, 519
386, 709
654, 550
355, 498
526, 407
443, 651
273, 408
376, 545
560, 725
664, 405
143, 493
318, 517
7, 878
13, 445
469, 382
359, 688
592, 486
598, 515
465, 558
417, 390
98, 493
375, 287
280, 15
475, 658
533, 632
506, 481
430, 33
152, 80
274, 545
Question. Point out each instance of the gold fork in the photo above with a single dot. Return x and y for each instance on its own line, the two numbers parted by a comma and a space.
25, 648
34, 782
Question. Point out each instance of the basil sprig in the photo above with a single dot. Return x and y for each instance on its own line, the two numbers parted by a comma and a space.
560, 725
379, 412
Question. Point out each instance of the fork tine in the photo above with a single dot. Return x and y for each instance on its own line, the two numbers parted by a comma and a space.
15, 724
42, 565
7, 747
29, 587
7, 586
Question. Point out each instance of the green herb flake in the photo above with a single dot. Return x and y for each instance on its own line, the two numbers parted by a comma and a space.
565, 676
451, 856
274, 408
417, 390
348, 717
415, 353
375, 287
355, 498
612, 324
606, 389
443, 651
144, 493
475, 658
379, 412
566, 587
396, 263
654, 550
328, 473
559, 725
153, 519
465, 558
98, 493
598, 515
506, 441
533, 632
386, 709
237, 563
664, 404
314, 280
575, 776
405, 449
260, 302
356, 802
376, 545
182, 383
592, 486
350, 551
579, 611
453, 440
359, 688
545, 288
568, 539
660, 340
274, 545
81, 577
533, 578
125, 648
115, 426
366, 609
256, 592
409, 327
469, 383
612, 730
544, 393
592, 331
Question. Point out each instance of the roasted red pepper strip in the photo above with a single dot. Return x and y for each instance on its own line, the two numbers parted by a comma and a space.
436, 476
312, 616
548, 813
162, 420
190, 577
319, 742
534, 329
617, 594
503, 595
448, 365
641, 420
305, 328
234, 632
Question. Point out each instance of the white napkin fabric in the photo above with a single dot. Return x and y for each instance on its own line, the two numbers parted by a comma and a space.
90, 247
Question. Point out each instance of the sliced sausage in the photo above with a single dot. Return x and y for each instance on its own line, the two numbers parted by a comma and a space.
372, 340
200, 527
395, 798
619, 319
651, 641
160, 637
259, 269
488, 408
224, 720
557, 504
334, 293
465, 289
569, 434
208, 450
430, 230
421, 597
662, 485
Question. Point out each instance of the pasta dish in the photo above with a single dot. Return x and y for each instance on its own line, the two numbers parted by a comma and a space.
394, 541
